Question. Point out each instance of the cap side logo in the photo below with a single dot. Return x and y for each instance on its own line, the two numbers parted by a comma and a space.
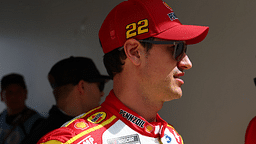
167, 6
172, 16
113, 34
134, 29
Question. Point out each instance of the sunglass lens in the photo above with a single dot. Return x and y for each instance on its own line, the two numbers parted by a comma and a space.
181, 49
101, 86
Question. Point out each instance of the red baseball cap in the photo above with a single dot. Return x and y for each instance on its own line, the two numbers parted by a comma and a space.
142, 19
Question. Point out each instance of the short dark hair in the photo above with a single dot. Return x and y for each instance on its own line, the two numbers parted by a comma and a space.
13, 78
113, 60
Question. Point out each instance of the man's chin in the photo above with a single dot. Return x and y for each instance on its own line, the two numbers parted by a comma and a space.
174, 96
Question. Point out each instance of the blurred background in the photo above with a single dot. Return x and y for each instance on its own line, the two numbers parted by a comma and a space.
219, 94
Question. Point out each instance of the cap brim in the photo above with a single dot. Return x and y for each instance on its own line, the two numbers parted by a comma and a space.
192, 34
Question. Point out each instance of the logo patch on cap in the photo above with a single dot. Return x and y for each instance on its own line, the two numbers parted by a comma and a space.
97, 117
134, 29
113, 34
167, 6
172, 16
81, 125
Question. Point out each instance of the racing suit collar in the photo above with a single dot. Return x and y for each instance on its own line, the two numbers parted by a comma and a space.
132, 119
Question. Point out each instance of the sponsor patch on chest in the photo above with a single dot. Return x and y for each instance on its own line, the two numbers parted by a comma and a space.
87, 140
97, 117
139, 122
81, 125
129, 139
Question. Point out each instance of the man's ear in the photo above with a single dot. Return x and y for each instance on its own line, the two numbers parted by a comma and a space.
81, 86
132, 49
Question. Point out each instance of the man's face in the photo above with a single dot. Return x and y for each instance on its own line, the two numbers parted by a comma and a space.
162, 72
14, 96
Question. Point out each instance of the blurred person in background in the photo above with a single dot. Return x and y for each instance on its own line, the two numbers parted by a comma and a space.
17, 120
77, 88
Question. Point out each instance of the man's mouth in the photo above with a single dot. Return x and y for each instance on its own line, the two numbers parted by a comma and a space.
178, 75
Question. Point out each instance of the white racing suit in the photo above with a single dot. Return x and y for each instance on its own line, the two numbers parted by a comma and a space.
113, 123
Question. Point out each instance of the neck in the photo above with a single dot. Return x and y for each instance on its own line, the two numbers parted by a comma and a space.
135, 98
73, 104
70, 107
66, 100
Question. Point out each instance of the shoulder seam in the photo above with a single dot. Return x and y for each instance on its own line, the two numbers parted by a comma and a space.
91, 130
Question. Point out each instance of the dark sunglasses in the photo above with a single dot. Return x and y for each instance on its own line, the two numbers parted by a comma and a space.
101, 86
255, 81
180, 47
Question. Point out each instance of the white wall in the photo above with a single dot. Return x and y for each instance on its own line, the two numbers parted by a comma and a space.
218, 96
35, 35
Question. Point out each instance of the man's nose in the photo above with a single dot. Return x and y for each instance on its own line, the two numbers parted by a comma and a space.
185, 63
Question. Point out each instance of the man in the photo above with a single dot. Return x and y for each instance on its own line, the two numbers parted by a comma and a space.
17, 120
77, 88
144, 45
251, 129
